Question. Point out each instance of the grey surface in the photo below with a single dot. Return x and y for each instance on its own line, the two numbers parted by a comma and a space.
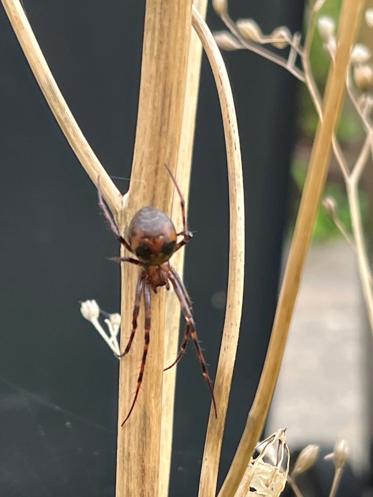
320, 395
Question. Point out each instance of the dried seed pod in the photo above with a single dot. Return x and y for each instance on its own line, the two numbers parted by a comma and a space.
363, 77
220, 6
306, 459
250, 30
280, 37
341, 453
226, 41
369, 17
360, 54
330, 205
326, 27
267, 473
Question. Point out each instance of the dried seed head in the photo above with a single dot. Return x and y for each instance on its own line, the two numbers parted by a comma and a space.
220, 6
267, 472
360, 54
326, 28
249, 29
363, 77
90, 310
369, 17
226, 41
306, 459
330, 205
340, 454
280, 37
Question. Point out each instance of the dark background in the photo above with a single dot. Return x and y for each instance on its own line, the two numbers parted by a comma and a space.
58, 381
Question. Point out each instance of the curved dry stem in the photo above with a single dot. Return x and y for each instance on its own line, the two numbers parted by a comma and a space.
58, 105
210, 464
315, 181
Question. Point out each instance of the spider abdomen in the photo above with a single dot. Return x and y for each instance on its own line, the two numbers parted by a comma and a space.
152, 235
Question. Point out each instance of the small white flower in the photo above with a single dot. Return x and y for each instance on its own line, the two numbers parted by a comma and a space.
369, 17
90, 310
326, 27
360, 54
113, 324
115, 319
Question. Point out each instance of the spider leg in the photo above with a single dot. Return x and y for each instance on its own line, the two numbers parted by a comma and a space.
147, 300
181, 284
126, 259
182, 349
181, 295
187, 235
186, 338
135, 314
109, 218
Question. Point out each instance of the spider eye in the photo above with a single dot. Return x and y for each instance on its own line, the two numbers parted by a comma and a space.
143, 251
168, 248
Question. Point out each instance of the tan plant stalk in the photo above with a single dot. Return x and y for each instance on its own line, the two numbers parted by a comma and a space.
163, 77
214, 437
58, 106
314, 184
183, 179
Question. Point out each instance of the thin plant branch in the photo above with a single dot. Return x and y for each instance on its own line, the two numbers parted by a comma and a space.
362, 257
336, 482
263, 52
59, 107
214, 436
294, 486
314, 184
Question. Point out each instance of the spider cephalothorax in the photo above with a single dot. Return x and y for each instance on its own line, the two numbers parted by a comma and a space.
152, 237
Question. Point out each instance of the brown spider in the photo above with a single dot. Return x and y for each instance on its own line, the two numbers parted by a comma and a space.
152, 238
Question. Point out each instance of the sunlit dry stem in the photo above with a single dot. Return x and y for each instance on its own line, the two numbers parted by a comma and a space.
214, 436
314, 184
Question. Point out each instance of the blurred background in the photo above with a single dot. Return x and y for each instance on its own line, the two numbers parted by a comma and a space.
58, 381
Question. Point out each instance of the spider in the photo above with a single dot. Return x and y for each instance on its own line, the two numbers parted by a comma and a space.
152, 237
